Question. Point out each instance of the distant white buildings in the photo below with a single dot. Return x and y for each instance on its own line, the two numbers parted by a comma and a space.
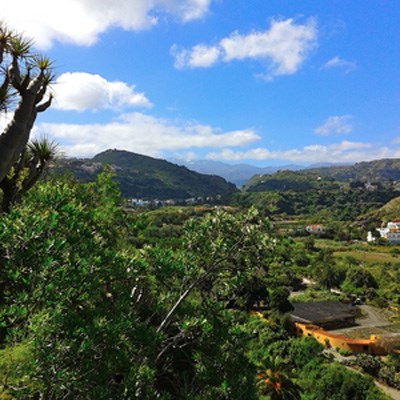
391, 232
135, 202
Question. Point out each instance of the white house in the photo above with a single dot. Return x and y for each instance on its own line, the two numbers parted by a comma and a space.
315, 228
391, 232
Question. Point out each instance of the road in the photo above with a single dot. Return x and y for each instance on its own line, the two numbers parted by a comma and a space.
372, 318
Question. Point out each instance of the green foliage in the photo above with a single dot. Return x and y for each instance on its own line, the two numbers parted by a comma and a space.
88, 311
366, 171
67, 288
313, 294
298, 181
369, 364
360, 278
337, 383
331, 205
103, 320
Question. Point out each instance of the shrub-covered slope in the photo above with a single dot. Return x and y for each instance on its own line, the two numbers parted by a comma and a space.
146, 177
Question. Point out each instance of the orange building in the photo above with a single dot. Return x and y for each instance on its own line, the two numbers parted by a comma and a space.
327, 339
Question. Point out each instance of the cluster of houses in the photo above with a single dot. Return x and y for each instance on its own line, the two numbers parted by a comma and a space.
172, 202
391, 232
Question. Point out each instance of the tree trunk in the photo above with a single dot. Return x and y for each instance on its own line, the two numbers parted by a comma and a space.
10, 195
16, 135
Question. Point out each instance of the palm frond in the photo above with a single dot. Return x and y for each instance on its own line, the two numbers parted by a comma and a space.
43, 149
19, 46
42, 62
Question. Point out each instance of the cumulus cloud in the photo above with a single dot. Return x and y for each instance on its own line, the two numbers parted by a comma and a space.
336, 124
82, 21
199, 56
187, 10
344, 151
80, 91
142, 134
282, 48
337, 62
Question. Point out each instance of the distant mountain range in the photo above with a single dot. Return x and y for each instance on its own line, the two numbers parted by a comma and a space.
239, 174
145, 177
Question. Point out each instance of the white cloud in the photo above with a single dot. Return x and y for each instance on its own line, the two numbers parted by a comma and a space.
199, 56
336, 124
82, 21
283, 48
5, 119
187, 10
337, 62
344, 151
142, 134
81, 91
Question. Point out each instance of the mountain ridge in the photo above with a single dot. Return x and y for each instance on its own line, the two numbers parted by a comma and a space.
141, 176
365, 172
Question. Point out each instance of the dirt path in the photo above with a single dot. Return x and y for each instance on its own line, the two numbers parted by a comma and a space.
392, 393
372, 318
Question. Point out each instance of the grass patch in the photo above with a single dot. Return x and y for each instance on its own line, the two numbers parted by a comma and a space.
368, 257
16, 363
313, 294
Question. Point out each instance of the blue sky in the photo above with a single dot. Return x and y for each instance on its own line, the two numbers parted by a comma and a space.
264, 82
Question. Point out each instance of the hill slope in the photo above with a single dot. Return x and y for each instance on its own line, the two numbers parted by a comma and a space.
146, 177
366, 171
381, 171
384, 214
298, 181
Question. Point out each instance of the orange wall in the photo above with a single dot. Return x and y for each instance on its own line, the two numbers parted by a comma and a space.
369, 346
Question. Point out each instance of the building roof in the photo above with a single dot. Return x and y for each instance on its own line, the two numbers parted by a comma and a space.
321, 312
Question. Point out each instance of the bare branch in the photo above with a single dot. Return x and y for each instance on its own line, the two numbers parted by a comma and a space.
46, 105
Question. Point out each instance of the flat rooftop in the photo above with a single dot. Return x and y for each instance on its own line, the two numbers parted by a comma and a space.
322, 312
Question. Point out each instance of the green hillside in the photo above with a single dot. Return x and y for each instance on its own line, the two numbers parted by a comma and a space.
366, 171
343, 192
298, 181
380, 172
146, 177
388, 212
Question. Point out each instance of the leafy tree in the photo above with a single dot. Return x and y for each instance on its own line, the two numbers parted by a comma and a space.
278, 299
337, 383
309, 243
100, 319
277, 383
370, 364
25, 78
360, 277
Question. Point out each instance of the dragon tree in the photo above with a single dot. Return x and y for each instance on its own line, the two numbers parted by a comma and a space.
25, 77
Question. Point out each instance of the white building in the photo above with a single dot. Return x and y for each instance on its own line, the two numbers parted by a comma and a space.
391, 232
315, 228
370, 238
